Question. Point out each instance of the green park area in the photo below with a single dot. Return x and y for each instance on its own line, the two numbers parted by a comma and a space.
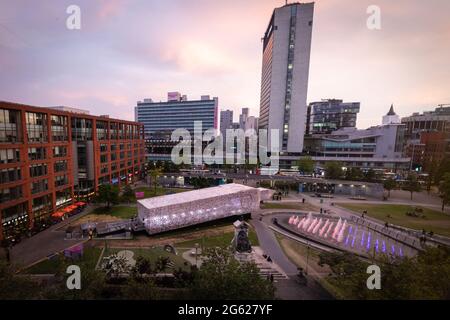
289, 205
58, 262
222, 240
158, 191
406, 216
154, 254
121, 212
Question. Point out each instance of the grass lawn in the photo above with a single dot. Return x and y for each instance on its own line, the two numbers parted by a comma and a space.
153, 254
121, 212
290, 205
151, 192
58, 262
435, 221
222, 240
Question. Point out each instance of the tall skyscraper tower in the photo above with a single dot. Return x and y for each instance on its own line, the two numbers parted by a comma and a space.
285, 70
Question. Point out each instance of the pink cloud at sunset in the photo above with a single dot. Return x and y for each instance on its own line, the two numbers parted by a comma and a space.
130, 50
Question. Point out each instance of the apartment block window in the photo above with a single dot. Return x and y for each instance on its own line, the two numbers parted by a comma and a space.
113, 156
104, 169
39, 153
63, 196
113, 147
10, 175
37, 170
36, 127
10, 126
122, 165
121, 131
129, 163
59, 151
42, 206
103, 158
11, 215
59, 128
122, 146
81, 129
103, 180
113, 134
102, 130
114, 167
9, 156
12, 193
103, 147
61, 180
60, 166
122, 155
39, 186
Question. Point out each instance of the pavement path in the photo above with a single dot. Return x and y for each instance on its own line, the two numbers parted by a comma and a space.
45, 243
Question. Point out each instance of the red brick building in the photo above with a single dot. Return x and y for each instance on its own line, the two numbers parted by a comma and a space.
52, 157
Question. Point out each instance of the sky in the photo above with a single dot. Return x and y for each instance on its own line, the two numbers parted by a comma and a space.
128, 50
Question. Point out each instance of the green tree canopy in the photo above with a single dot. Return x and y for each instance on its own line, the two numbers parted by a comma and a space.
444, 190
107, 194
222, 277
333, 170
305, 164
389, 185
412, 184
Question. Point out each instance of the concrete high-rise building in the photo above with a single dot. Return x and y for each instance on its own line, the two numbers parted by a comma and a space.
285, 71
160, 119
243, 117
226, 121
329, 115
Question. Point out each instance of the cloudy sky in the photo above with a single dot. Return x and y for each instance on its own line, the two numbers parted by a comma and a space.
128, 50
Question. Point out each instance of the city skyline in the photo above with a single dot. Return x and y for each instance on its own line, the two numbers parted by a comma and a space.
121, 56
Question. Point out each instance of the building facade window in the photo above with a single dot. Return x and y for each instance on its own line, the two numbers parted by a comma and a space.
103, 147
7, 194
10, 126
39, 153
37, 170
36, 127
63, 196
10, 175
61, 180
103, 158
59, 128
39, 186
59, 151
42, 206
14, 217
102, 130
9, 156
60, 166
81, 129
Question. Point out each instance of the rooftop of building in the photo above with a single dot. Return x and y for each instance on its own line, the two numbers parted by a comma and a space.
59, 111
194, 195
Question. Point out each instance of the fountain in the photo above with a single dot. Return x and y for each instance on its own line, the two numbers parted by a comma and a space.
337, 229
317, 226
340, 235
312, 225
329, 229
322, 230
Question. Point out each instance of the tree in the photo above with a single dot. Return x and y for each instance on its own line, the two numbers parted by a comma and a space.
443, 168
353, 174
412, 184
403, 278
333, 170
444, 190
127, 193
154, 175
222, 277
389, 185
370, 175
305, 165
107, 194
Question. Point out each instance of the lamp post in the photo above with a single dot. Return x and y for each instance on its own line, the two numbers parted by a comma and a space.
196, 254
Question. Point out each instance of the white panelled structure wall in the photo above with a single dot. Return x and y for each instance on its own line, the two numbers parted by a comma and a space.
180, 210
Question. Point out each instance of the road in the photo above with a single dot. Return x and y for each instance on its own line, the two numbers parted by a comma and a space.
45, 243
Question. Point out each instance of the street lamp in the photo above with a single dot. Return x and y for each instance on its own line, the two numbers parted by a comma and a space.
196, 254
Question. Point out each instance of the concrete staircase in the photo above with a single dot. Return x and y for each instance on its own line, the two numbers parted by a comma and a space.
265, 268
